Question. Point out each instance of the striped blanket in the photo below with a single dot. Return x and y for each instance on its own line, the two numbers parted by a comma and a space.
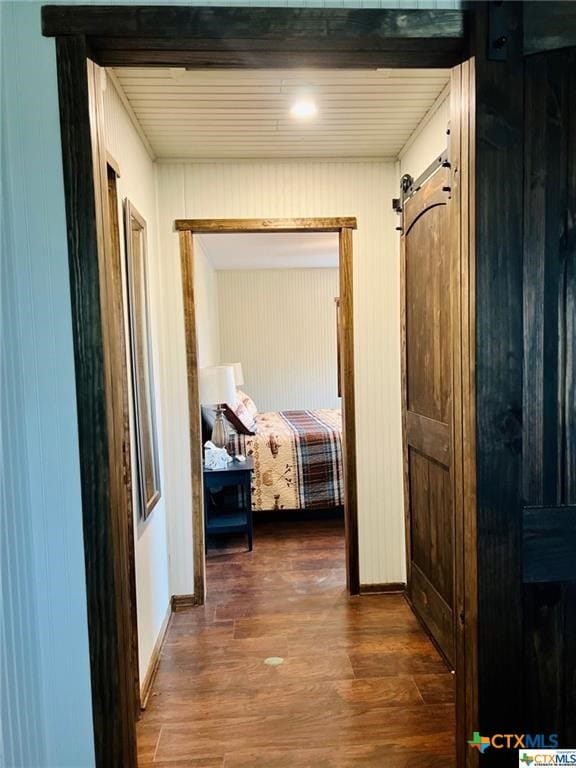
297, 459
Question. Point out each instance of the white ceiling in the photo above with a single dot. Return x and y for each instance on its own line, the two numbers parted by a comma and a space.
203, 114
267, 250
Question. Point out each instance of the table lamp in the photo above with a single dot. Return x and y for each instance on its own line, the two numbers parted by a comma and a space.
216, 386
238, 374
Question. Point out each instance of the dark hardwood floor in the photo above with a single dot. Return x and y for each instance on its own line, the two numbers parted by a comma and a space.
359, 683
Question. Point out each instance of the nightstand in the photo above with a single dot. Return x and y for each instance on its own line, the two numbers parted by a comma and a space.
231, 512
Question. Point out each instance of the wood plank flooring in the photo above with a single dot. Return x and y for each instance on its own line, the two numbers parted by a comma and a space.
360, 684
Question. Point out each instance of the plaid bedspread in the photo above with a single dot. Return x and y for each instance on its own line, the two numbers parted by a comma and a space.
297, 458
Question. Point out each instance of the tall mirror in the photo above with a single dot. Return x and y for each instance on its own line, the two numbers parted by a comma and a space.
141, 361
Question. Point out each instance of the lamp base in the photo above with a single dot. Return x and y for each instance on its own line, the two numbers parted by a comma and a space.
219, 430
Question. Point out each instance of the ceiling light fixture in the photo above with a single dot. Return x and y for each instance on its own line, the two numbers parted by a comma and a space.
303, 109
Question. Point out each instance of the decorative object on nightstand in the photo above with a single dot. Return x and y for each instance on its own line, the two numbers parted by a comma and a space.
216, 387
229, 513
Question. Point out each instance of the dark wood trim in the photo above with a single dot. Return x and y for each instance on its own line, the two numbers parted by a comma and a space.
205, 226
498, 232
98, 398
116, 270
549, 25
184, 602
179, 22
338, 346
195, 421
290, 59
349, 409
187, 228
389, 588
263, 37
148, 682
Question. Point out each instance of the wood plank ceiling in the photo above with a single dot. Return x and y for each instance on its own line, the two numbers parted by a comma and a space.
202, 114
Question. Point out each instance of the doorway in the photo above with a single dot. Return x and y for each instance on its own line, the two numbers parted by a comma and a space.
343, 227
270, 298
446, 49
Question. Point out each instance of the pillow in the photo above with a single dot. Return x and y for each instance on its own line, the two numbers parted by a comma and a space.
249, 404
242, 414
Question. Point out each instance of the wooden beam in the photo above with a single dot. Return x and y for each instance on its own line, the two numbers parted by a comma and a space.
549, 26
263, 37
205, 226
182, 22
290, 59
498, 233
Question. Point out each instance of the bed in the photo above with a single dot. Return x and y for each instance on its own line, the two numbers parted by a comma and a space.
297, 456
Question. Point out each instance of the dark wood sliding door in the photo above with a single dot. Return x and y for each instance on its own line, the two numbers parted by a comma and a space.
428, 405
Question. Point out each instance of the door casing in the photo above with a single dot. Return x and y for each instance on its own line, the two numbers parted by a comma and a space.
344, 227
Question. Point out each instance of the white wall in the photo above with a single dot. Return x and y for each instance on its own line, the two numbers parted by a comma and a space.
207, 304
137, 183
45, 701
427, 142
293, 189
281, 324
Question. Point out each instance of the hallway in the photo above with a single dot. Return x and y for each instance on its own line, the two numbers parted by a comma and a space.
359, 683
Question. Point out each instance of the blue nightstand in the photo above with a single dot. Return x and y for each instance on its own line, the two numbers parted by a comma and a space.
235, 514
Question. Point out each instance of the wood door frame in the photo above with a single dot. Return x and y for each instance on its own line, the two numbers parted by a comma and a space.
344, 227
177, 36
113, 174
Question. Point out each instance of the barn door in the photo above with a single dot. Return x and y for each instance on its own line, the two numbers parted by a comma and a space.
549, 396
428, 402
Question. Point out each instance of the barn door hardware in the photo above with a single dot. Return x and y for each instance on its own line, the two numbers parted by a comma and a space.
499, 31
409, 186
406, 183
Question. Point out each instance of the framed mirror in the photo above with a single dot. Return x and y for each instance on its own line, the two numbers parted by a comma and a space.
145, 430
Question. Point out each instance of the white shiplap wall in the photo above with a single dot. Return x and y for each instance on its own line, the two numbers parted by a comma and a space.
281, 324
207, 307
428, 141
137, 183
294, 189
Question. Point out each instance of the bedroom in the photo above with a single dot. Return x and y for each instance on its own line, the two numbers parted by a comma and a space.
273, 302
352, 169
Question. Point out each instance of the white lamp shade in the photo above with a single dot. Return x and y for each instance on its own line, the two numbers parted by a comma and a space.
216, 385
238, 374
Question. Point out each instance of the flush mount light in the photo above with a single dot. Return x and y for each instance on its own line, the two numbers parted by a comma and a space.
303, 109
